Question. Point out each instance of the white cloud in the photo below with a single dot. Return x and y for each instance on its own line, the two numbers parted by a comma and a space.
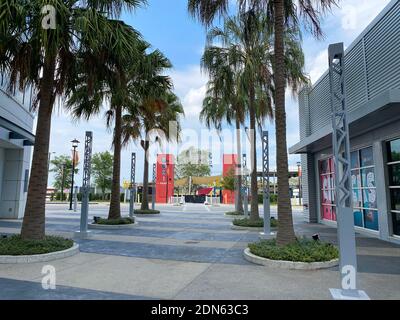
318, 65
188, 79
355, 15
193, 101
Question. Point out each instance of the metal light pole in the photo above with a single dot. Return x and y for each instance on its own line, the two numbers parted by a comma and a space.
132, 185
62, 181
265, 180
87, 168
245, 193
299, 174
75, 144
343, 184
153, 190
75, 198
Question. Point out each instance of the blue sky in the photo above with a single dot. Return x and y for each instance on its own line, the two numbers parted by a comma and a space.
168, 27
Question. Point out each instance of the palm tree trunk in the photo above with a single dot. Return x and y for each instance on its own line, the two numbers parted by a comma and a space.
145, 196
238, 181
115, 204
254, 214
33, 225
285, 233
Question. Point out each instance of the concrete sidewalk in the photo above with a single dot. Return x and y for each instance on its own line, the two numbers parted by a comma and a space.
187, 252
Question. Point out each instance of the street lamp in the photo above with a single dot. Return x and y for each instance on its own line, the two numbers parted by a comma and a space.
62, 180
298, 172
75, 144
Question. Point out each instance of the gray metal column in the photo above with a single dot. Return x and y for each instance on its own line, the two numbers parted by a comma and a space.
132, 186
87, 168
76, 198
343, 184
265, 180
245, 189
153, 191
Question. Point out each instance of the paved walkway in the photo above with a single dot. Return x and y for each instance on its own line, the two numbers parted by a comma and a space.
187, 252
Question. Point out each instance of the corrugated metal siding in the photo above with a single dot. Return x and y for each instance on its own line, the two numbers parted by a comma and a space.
372, 67
356, 78
382, 48
304, 115
319, 103
304, 186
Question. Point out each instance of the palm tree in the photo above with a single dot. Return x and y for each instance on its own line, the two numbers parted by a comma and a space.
245, 54
224, 102
109, 79
45, 58
284, 14
153, 112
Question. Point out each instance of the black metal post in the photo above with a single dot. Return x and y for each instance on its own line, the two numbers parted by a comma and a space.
62, 182
72, 179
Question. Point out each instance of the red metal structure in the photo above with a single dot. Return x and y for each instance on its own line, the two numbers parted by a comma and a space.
229, 163
165, 178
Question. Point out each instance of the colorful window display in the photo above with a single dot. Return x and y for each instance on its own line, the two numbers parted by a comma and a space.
363, 186
393, 148
327, 189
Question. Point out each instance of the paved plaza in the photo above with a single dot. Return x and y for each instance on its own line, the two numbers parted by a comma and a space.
187, 252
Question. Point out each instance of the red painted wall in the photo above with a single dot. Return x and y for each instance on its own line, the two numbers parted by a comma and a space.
229, 163
165, 178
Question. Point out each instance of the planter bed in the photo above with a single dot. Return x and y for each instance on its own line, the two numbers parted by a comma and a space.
281, 264
15, 250
304, 254
104, 224
146, 213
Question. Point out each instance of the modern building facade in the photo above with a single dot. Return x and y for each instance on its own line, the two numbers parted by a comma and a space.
372, 65
16, 140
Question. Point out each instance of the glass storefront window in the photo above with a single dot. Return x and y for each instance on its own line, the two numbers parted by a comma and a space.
369, 196
394, 175
355, 160
363, 186
395, 196
358, 218
396, 223
394, 151
356, 178
368, 177
393, 155
366, 157
327, 189
371, 219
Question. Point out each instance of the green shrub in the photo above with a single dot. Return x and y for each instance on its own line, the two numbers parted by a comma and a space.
146, 211
273, 198
115, 222
234, 213
259, 223
16, 246
303, 250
